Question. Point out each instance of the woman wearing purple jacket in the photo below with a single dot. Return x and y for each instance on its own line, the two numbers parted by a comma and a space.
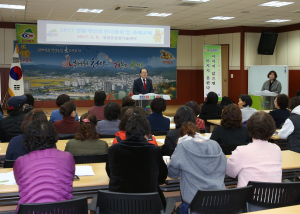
45, 174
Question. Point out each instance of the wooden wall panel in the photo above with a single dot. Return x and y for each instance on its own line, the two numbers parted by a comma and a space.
2, 40
184, 51
293, 48
282, 49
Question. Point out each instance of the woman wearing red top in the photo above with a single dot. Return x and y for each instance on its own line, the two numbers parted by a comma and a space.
67, 125
121, 135
193, 105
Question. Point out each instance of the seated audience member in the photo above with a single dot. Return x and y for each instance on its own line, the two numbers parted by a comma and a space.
98, 109
298, 93
210, 106
110, 126
16, 147
56, 115
87, 140
260, 160
121, 135
45, 174
193, 105
67, 125
11, 125
157, 121
200, 164
28, 106
281, 113
231, 131
128, 102
291, 127
134, 165
183, 114
245, 103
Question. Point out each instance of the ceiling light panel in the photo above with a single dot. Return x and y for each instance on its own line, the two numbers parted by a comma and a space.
221, 18
11, 6
279, 20
276, 4
159, 14
85, 10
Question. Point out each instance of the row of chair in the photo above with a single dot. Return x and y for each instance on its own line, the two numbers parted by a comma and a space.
254, 197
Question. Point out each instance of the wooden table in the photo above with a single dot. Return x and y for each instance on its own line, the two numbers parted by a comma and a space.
282, 210
61, 144
290, 170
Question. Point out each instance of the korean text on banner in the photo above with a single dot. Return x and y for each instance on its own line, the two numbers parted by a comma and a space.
212, 66
16, 82
26, 33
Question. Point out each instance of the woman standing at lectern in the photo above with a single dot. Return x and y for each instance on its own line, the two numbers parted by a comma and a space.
272, 84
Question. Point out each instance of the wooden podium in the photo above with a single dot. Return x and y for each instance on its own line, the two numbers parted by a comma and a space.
145, 99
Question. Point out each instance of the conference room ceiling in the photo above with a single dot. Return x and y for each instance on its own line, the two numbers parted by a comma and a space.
188, 17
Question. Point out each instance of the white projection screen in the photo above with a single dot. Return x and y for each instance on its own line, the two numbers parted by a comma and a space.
87, 33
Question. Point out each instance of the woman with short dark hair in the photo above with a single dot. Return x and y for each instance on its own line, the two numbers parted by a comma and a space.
87, 140
291, 127
45, 174
110, 126
121, 135
183, 114
231, 131
16, 147
260, 160
56, 115
245, 103
272, 85
128, 102
279, 115
193, 105
98, 108
157, 121
67, 125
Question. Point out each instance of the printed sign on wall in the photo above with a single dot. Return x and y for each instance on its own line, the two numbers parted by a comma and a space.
80, 70
212, 65
26, 33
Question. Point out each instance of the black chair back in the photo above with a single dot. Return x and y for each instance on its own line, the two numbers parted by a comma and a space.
202, 131
273, 195
66, 136
74, 206
227, 149
9, 164
119, 203
159, 133
82, 159
220, 201
107, 136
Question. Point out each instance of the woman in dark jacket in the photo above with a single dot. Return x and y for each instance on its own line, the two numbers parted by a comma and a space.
231, 131
11, 125
210, 106
183, 114
134, 165
281, 113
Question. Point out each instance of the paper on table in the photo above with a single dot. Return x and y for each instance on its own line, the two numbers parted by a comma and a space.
161, 141
172, 125
84, 170
207, 136
7, 178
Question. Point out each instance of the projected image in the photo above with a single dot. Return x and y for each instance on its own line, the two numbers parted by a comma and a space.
79, 71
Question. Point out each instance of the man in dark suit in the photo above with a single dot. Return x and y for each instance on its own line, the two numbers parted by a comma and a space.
142, 85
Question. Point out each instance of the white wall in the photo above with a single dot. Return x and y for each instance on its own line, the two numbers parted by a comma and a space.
190, 49
7, 36
287, 50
